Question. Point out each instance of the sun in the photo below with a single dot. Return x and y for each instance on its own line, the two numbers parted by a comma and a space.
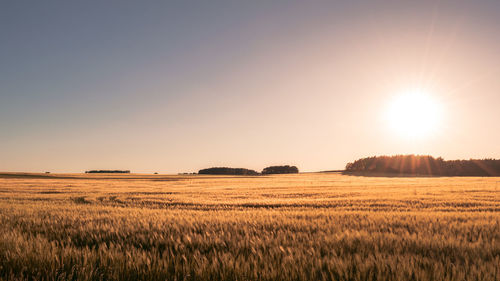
414, 114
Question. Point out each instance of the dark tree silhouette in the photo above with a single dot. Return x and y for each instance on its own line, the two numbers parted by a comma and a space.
425, 165
280, 170
227, 171
108, 172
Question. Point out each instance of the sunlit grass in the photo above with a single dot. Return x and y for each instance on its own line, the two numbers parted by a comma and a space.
293, 227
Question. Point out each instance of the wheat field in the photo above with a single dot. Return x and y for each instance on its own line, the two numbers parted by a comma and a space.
318, 226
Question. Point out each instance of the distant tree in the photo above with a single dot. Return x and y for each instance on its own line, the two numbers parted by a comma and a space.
108, 172
425, 165
227, 171
280, 170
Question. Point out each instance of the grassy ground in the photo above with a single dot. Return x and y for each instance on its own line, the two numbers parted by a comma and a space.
291, 227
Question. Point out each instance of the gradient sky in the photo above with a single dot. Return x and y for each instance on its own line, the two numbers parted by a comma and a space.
175, 86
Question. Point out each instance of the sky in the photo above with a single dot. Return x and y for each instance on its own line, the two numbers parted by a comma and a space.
176, 86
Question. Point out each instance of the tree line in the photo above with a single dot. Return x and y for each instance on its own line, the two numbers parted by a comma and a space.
425, 165
242, 171
280, 170
227, 171
108, 172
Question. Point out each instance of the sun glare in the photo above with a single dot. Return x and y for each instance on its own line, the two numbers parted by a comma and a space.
414, 115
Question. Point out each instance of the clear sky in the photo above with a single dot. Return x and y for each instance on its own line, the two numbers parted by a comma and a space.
175, 86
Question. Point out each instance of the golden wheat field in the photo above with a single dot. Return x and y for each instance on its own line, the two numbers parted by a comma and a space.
318, 226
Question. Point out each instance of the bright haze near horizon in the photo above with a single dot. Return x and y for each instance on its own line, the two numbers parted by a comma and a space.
176, 86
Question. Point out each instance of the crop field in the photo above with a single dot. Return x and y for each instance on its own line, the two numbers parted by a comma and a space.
318, 226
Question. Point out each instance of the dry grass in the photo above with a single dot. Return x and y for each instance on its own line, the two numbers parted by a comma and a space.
290, 227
